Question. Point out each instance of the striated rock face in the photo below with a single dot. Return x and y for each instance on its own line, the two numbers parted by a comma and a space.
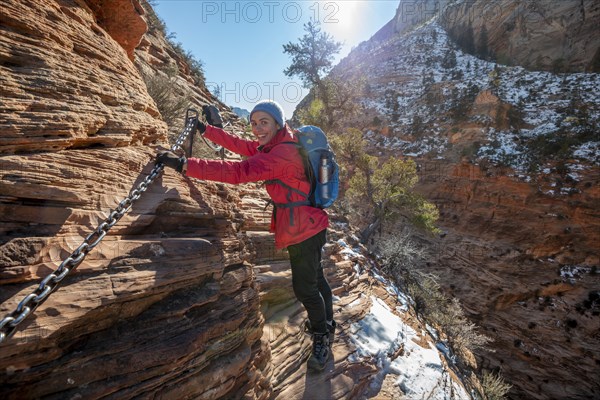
165, 305
165, 301
66, 84
122, 20
537, 34
522, 264
412, 13
542, 34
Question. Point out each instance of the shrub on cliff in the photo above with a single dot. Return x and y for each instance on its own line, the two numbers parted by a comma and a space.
379, 193
461, 333
162, 87
401, 258
313, 114
155, 23
494, 386
157, 26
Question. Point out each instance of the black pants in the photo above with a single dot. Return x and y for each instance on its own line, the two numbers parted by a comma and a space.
310, 286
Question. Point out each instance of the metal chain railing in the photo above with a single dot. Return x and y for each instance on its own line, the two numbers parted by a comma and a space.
50, 283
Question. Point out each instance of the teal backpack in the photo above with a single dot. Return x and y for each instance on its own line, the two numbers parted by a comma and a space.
320, 166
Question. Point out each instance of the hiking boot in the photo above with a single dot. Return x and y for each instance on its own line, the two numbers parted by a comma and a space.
320, 352
330, 330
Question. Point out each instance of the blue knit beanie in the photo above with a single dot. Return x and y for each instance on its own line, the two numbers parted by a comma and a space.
271, 108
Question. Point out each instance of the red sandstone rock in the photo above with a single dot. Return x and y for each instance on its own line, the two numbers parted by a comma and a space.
66, 84
164, 305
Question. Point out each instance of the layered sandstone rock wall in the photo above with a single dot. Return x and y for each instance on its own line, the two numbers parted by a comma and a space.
522, 262
538, 34
166, 304
66, 84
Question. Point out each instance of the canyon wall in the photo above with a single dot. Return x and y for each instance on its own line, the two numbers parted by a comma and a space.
510, 156
185, 296
65, 85
523, 265
537, 34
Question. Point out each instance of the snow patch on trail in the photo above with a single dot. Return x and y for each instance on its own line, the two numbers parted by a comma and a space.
419, 371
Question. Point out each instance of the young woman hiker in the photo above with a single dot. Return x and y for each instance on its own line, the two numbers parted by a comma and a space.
300, 228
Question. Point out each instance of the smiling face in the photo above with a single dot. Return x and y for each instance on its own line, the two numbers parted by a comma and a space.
264, 127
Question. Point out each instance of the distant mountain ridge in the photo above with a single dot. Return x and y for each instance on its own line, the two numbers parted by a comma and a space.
241, 112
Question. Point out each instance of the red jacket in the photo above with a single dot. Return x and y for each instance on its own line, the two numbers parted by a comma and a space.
291, 225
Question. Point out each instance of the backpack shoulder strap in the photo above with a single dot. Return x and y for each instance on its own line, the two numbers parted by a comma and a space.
291, 205
285, 185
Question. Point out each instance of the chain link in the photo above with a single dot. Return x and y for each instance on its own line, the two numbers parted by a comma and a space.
51, 282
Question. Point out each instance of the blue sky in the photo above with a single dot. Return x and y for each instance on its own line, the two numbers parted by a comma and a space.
241, 42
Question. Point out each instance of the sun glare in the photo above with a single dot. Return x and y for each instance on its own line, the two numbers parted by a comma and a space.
340, 18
